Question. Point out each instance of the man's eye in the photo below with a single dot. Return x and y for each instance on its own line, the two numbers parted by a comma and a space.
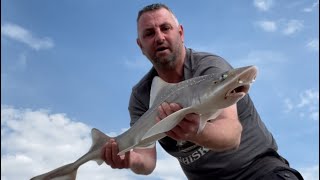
148, 34
165, 28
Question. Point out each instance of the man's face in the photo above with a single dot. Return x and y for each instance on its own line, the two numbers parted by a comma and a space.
160, 37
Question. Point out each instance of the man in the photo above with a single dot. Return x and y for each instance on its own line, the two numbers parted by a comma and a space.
235, 145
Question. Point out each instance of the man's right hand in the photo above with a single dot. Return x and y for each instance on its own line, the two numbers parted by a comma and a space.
112, 158
140, 161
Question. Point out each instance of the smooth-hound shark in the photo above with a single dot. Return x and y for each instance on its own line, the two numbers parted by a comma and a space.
204, 95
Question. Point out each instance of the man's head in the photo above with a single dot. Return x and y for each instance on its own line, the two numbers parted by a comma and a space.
160, 36
153, 7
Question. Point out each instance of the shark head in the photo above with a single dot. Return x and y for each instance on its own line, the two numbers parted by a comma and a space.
230, 87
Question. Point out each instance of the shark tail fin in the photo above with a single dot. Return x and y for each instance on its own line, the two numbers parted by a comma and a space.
98, 139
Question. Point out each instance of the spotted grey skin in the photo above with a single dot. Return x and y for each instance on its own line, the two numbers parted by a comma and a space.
204, 95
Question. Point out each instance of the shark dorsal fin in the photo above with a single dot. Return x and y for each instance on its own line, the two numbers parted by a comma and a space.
157, 85
98, 138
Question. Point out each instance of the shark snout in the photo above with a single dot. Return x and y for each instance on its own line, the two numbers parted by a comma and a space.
244, 78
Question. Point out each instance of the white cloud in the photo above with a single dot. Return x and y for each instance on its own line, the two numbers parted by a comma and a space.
263, 5
288, 104
34, 142
313, 45
310, 173
20, 34
269, 26
168, 168
308, 97
306, 103
286, 27
292, 27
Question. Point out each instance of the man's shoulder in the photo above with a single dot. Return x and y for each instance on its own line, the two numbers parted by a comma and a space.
145, 81
203, 55
200, 63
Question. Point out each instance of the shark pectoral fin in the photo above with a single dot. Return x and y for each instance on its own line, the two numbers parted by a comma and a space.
204, 118
146, 146
201, 125
166, 124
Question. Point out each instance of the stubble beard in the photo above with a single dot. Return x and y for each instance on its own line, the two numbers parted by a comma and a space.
168, 62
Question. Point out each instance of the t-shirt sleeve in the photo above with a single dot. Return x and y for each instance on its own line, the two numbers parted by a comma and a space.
136, 108
209, 64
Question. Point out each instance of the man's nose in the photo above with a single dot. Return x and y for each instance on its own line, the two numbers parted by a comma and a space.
159, 37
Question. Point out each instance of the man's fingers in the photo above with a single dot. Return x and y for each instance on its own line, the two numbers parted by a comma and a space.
192, 117
126, 160
115, 157
175, 107
108, 154
161, 112
111, 156
167, 109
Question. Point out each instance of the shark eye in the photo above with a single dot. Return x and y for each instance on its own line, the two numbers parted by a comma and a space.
223, 76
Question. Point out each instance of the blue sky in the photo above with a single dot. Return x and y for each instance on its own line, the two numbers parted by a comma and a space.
68, 66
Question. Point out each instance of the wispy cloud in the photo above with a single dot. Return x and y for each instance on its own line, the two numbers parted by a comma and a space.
306, 104
286, 27
37, 141
312, 7
292, 27
263, 5
22, 35
269, 26
313, 45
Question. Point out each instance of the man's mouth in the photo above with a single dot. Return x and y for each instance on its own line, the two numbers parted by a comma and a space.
160, 49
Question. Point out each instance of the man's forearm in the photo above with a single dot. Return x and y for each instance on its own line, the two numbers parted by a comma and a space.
219, 137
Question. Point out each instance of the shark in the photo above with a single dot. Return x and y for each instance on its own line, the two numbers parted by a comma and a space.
204, 95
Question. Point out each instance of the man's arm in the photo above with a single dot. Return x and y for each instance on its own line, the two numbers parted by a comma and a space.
222, 133
140, 161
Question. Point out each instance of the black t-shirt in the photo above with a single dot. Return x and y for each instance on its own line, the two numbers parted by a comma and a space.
198, 162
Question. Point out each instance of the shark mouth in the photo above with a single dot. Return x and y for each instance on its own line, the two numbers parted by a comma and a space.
238, 92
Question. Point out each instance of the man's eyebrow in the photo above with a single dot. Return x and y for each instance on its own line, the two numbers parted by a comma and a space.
151, 28
148, 29
165, 24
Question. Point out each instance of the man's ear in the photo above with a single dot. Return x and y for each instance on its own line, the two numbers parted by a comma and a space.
139, 43
181, 32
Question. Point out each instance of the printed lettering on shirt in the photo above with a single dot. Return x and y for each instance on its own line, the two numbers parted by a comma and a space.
197, 154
